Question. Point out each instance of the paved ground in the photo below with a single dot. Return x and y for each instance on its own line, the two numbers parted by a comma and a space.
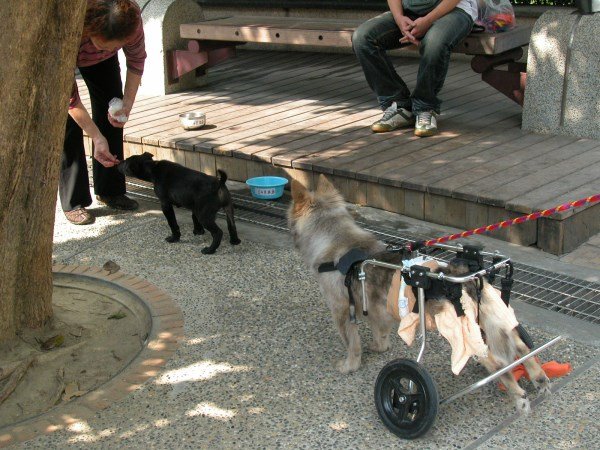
256, 369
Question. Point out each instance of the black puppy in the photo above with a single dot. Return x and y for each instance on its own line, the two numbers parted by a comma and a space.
177, 185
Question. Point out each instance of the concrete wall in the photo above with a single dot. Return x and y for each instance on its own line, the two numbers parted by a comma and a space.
563, 86
161, 29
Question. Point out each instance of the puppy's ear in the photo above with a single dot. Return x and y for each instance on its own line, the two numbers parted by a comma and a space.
324, 186
147, 155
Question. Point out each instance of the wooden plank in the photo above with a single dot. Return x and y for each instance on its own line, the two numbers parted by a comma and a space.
370, 169
342, 110
407, 150
517, 179
308, 134
432, 155
497, 172
354, 147
280, 30
269, 117
297, 156
583, 176
382, 148
235, 94
329, 32
457, 173
494, 43
571, 164
264, 109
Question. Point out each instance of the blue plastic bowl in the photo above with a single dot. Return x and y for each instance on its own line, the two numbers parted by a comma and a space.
266, 188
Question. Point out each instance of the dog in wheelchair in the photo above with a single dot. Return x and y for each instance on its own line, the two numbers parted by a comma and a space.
324, 231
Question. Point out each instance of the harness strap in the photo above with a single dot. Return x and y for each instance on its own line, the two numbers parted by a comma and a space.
434, 289
345, 266
327, 267
348, 284
429, 295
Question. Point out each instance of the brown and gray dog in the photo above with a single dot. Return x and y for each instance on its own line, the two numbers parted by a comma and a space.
323, 231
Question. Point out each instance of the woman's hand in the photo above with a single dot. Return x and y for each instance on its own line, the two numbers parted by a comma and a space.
123, 112
102, 153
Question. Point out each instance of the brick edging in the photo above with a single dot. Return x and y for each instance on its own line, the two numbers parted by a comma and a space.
165, 336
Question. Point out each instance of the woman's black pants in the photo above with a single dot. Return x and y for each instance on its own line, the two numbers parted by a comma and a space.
104, 83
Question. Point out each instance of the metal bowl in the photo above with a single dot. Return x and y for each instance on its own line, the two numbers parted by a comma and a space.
192, 120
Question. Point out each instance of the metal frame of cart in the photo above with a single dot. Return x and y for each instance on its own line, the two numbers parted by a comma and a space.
410, 410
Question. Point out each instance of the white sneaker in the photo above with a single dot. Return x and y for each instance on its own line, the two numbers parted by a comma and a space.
393, 118
426, 124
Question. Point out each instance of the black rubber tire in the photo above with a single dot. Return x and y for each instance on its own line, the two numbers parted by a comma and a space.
418, 414
525, 336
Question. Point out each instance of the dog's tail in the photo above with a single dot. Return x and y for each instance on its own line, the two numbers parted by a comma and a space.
222, 177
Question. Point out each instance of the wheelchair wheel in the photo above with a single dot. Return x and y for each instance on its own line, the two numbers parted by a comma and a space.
525, 336
406, 398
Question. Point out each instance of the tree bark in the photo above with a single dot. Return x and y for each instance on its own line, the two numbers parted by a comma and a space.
39, 40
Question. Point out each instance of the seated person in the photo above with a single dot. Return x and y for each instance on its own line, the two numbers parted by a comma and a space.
435, 26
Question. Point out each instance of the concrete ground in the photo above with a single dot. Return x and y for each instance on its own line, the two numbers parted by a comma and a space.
256, 368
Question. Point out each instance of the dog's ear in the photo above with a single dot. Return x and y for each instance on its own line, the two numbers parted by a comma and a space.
299, 192
147, 155
324, 186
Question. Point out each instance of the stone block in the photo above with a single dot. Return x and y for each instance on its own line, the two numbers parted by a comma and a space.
563, 88
161, 30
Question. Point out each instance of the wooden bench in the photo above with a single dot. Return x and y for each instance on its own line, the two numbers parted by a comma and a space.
212, 41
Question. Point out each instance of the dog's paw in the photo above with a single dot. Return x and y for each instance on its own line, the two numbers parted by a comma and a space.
379, 347
235, 241
542, 384
523, 406
544, 390
172, 238
207, 251
198, 231
345, 366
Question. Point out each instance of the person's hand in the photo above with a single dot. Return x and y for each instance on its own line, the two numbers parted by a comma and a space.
406, 26
420, 26
122, 112
102, 153
416, 30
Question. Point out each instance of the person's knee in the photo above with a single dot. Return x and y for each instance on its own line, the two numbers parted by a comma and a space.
362, 38
434, 49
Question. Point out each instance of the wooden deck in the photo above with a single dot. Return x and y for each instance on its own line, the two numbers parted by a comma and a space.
302, 114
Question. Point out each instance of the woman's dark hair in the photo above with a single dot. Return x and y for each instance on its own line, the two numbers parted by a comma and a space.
111, 19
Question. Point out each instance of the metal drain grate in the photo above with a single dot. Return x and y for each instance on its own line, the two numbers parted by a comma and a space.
549, 290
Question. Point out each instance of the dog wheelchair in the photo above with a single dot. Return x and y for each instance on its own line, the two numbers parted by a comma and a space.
406, 396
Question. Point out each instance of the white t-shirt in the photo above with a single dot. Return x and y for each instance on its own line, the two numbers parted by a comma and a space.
469, 6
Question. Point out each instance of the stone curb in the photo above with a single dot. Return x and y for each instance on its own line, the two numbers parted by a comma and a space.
165, 336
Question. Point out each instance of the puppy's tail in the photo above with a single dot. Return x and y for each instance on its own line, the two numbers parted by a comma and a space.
222, 177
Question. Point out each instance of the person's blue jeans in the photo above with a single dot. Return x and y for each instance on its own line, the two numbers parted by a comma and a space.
376, 36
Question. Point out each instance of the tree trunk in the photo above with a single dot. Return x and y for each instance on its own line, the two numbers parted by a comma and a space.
39, 40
